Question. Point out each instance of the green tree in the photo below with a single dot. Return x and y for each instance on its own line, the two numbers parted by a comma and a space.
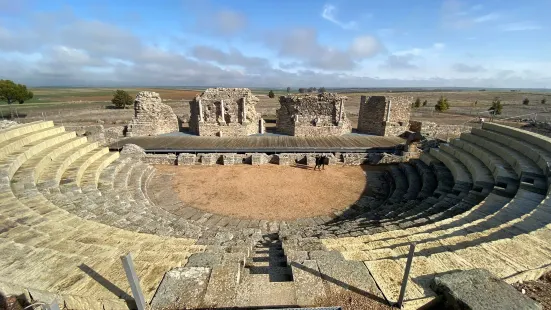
543, 101
11, 92
496, 106
302, 90
425, 103
122, 99
288, 90
526, 101
442, 104
271, 94
322, 90
417, 103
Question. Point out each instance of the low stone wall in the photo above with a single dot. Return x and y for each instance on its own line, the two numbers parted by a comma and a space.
187, 159
311, 131
159, 159
283, 159
94, 133
114, 134
229, 130
434, 130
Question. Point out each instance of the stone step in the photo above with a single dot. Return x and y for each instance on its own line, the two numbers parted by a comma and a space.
91, 176
73, 175
55, 169
460, 173
522, 140
22, 129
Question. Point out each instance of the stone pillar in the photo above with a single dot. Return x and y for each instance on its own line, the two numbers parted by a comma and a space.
261, 126
363, 99
200, 107
222, 112
341, 110
244, 116
388, 112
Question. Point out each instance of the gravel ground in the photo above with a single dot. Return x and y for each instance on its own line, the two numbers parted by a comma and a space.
267, 192
539, 290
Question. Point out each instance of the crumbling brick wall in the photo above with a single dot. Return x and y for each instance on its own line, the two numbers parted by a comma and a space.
313, 115
226, 112
384, 116
151, 116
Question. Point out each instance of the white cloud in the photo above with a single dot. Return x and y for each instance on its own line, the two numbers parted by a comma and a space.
465, 68
486, 18
222, 23
365, 46
328, 13
438, 46
520, 26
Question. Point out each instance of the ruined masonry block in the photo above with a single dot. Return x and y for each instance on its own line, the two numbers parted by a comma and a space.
313, 115
225, 112
259, 159
355, 159
159, 159
284, 159
384, 116
231, 159
151, 116
209, 159
187, 159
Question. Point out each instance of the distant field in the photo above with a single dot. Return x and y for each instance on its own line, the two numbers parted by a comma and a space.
88, 105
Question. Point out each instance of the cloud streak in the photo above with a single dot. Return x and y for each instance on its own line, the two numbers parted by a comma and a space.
329, 12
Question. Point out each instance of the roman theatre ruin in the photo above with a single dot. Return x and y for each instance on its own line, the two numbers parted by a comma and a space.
227, 215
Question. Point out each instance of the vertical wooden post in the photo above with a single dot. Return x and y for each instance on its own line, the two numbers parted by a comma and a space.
406, 275
132, 277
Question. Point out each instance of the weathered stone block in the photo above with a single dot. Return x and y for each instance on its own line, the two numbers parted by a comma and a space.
151, 116
231, 159
186, 159
479, 289
384, 116
259, 159
159, 159
355, 158
313, 115
284, 159
225, 112
209, 159
182, 288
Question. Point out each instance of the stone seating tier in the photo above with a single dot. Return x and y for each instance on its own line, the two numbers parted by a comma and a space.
69, 208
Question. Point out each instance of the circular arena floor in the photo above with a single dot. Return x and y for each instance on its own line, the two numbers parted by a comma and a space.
267, 192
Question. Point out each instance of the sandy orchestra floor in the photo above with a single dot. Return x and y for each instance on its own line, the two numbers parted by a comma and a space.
267, 192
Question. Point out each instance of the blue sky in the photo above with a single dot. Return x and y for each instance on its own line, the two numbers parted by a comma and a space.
339, 43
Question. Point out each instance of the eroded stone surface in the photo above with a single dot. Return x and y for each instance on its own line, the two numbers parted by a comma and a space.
479, 289
151, 116
183, 286
313, 115
225, 112
384, 116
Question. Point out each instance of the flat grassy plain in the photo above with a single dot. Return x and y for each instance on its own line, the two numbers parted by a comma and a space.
88, 105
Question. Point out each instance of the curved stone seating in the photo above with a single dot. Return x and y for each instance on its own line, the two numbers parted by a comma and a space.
483, 181
504, 233
506, 180
54, 253
515, 153
539, 145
